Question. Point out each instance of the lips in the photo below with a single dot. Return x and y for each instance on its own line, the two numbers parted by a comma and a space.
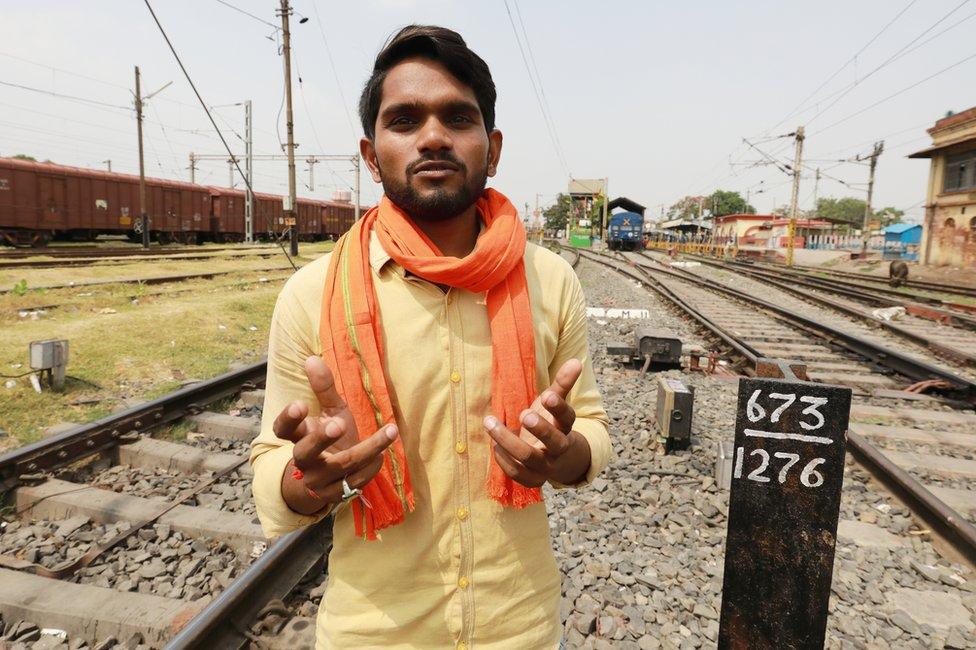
435, 168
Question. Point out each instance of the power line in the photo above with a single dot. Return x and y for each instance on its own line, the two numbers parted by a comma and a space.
335, 72
63, 96
895, 94
249, 14
538, 98
849, 61
887, 61
203, 104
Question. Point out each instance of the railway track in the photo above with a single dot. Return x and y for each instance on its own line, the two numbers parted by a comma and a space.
94, 252
888, 425
119, 535
944, 332
103, 260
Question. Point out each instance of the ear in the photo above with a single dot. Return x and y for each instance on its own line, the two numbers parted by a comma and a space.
494, 151
368, 152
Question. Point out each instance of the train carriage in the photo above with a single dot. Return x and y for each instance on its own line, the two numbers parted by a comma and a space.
625, 231
43, 201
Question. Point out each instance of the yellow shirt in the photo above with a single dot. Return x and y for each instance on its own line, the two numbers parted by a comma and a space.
461, 570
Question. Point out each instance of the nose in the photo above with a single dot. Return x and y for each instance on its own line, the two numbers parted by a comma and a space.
434, 136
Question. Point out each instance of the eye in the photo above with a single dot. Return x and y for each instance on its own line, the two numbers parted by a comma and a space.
401, 121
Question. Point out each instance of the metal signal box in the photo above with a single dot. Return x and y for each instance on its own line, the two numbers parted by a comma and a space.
50, 357
651, 348
661, 346
675, 403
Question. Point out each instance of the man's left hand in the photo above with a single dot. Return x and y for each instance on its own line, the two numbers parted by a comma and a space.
546, 447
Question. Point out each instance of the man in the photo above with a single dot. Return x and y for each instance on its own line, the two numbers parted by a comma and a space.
427, 378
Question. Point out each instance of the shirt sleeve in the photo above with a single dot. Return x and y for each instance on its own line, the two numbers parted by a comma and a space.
289, 344
591, 418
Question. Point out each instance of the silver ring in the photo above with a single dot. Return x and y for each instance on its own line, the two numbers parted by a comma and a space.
349, 493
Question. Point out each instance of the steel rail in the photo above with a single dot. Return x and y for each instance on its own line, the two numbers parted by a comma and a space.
952, 526
900, 362
126, 259
957, 289
940, 349
224, 623
860, 292
96, 252
87, 439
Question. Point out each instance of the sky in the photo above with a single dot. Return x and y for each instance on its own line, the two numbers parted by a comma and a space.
658, 97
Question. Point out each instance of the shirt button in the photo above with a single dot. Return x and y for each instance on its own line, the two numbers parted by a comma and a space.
462, 513
462, 645
455, 376
460, 447
462, 582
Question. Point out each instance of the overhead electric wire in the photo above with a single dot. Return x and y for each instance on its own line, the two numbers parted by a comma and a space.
249, 14
203, 104
64, 96
842, 67
895, 94
335, 73
545, 116
887, 61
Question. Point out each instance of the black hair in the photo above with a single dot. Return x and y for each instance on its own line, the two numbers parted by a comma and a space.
439, 44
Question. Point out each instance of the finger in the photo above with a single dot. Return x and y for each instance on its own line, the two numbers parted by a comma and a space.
330, 490
323, 385
521, 451
561, 411
322, 433
516, 471
363, 453
566, 377
555, 441
290, 423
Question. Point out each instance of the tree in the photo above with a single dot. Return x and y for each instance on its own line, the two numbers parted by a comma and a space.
847, 209
687, 208
23, 156
557, 214
722, 202
889, 215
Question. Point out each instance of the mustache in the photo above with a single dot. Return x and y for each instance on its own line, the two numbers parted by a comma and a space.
444, 157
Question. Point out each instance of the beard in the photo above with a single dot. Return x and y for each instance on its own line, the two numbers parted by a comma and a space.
438, 204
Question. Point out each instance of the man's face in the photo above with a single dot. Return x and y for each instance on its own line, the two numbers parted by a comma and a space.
431, 150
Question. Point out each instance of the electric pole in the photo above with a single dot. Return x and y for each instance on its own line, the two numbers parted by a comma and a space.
143, 217
249, 171
193, 168
109, 163
356, 159
230, 171
290, 213
878, 148
797, 164
311, 160
816, 191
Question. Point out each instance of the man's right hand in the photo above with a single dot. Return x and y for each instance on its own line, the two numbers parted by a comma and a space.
327, 446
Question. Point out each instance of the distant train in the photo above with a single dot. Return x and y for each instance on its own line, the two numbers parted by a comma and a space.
625, 231
42, 201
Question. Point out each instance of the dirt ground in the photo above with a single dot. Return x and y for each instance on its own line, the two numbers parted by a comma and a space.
947, 274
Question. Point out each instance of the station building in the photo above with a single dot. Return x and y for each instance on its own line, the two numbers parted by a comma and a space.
949, 232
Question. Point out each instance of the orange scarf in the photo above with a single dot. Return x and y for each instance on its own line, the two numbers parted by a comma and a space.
351, 334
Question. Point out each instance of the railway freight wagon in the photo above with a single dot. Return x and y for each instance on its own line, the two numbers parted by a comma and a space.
43, 201
308, 213
337, 218
625, 231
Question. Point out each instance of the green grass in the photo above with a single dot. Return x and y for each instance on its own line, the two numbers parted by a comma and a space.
121, 351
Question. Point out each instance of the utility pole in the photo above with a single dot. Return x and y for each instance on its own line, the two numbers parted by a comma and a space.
356, 159
290, 213
816, 190
797, 164
311, 160
193, 168
249, 171
230, 170
143, 217
109, 163
878, 148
